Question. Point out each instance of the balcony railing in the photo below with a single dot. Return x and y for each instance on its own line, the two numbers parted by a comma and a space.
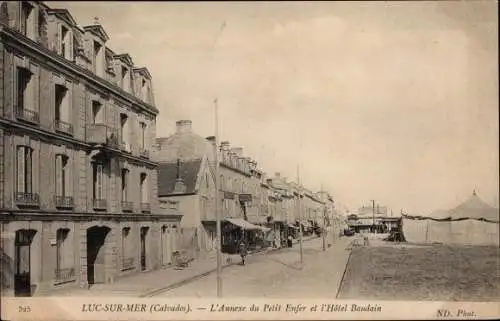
64, 275
145, 207
128, 264
65, 202
100, 204
27, 115
127, 206
144, 153
27, 199
63, 127
102, 134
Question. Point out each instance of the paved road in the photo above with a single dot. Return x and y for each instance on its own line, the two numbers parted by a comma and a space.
278, 275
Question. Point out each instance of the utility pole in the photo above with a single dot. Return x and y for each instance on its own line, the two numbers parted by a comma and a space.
217, 211
373, 215
324, 227
300, 217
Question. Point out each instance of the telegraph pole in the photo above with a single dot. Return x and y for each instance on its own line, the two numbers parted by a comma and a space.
373, 215
217, 211
300, 217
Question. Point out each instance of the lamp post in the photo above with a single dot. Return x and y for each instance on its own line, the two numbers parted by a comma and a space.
217, 211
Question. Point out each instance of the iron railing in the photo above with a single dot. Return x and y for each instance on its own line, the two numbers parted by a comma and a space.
145, 207
99, 204
63, 127
30, 116
65, 275
128, 263
102, 134
144, 153
63, 201
127, 206
27, 199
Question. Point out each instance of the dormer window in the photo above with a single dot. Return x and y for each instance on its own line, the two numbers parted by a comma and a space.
125, 79
98, 59
66, 41
144, 90
27, 20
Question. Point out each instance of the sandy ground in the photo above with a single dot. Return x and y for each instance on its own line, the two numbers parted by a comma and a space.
437, 272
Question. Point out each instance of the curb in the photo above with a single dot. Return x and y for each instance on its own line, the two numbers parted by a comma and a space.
150, 293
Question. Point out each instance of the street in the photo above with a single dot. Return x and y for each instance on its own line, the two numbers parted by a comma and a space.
277, 274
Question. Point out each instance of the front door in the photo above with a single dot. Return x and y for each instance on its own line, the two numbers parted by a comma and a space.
144, 231
22, 277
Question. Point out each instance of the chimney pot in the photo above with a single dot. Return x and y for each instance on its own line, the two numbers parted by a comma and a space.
183, 126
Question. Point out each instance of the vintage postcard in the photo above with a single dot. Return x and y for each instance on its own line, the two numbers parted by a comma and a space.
249, 160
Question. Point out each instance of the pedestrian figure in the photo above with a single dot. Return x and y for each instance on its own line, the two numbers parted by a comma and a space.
243, 252
290, 241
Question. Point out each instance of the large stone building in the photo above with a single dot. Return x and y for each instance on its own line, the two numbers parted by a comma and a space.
78, 188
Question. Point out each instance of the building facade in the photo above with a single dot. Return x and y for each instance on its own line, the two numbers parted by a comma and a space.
77, 184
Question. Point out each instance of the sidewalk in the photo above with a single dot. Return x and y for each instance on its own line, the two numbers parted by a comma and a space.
148, 283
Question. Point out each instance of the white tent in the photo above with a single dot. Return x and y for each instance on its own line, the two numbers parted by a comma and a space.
471, 223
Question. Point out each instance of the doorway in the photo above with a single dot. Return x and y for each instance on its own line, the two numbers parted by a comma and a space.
22, 276
144, 233
96, 256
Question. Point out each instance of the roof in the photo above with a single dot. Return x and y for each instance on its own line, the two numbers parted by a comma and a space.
125, 58
243, 224
472, 208
167, 176
64, 14
97, 30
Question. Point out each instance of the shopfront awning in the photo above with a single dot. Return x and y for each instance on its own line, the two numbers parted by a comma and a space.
293, 226
245, 225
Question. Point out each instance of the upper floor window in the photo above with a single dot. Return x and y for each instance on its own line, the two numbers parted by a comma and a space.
62, 108
143, 188
124, 131
27, 22
24, 169
98, 59
97, 113
142, 125
25, 84
97, 180
145, 90
62, 176
126, 79
66, 43
124, 174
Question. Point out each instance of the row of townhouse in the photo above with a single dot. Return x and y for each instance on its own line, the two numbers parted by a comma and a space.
78, 186
249, 202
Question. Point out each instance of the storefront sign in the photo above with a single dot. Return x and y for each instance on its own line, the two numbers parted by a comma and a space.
228, 195
245, 197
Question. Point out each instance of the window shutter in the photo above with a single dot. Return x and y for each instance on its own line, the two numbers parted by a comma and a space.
29, 167
57, 39
20, 169
68, 187
70, 48
99, 181
58, 165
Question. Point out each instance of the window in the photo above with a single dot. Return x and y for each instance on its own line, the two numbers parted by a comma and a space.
126, 79
123, 128
143, 187
64, 255
97, 176
61, 103
143, 134
62, 176
25, 82
97, 113
125, 173
27, 23
98, 61
66, 41
145, 90
24, 170
222, 183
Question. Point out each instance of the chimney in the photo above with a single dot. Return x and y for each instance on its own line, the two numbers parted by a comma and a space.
183, 126
277, 174
238, 151
224, 145
179, 187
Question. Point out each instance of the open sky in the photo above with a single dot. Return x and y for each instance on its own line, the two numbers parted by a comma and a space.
396, 102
